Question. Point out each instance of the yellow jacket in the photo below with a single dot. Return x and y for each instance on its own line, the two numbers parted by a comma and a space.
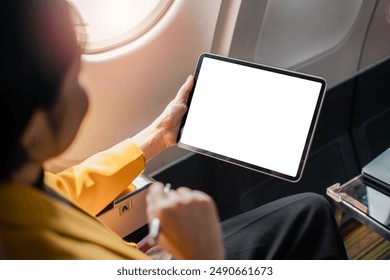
35, 225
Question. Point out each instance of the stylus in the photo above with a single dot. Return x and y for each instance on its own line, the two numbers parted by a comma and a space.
154, 228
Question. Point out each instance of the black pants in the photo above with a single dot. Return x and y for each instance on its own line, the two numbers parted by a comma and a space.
296, 227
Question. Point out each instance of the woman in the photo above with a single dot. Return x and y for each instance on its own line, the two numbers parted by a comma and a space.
51, 216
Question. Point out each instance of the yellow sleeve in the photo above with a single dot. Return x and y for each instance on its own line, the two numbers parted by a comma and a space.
98, 180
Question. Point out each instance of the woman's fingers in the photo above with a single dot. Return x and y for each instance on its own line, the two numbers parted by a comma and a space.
189, 223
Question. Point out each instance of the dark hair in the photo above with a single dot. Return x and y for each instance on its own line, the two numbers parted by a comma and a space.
38, 46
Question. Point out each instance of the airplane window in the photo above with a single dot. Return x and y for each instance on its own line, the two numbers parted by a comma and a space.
111, 23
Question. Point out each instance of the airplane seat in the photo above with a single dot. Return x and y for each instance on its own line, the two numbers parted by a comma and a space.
126, 215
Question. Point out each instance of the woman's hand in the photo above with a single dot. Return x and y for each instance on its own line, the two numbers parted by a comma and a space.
189, 223
162, 133
168, 123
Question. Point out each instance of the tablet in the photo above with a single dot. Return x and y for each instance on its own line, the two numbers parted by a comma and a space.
255, 116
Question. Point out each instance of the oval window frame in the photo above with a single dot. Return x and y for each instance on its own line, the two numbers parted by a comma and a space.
136, 29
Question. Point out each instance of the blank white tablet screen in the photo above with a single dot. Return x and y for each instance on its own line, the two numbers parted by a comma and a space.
251, 115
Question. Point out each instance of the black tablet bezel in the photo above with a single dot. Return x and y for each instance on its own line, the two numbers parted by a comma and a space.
245, 164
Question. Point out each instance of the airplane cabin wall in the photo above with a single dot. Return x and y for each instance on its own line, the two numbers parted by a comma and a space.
130, 86
377, 43
323, 38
